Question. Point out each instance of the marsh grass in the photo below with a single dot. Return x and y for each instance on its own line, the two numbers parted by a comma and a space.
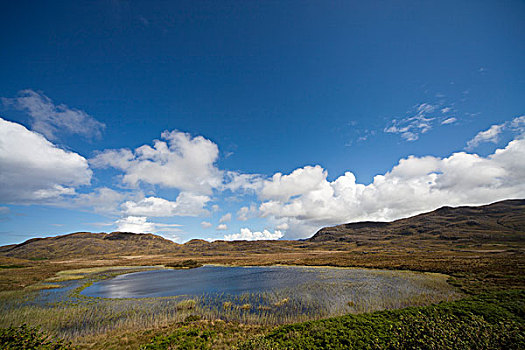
76, 274
72, 316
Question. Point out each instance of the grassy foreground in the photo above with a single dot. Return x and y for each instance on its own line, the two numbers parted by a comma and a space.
488, 321
89, 322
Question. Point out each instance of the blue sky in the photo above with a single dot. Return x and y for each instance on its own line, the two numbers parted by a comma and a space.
277, 117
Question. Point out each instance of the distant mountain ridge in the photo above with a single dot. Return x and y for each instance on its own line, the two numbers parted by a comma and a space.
500, 221
90, 244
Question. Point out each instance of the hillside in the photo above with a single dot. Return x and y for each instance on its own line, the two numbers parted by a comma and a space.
500, 222
480, 246
491, 228
89, 244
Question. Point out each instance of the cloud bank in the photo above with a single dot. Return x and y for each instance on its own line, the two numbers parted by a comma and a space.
305, 200
34, 170
247, 235
140, 224
186, 204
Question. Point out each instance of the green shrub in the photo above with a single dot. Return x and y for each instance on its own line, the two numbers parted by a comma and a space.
489, 321
182, 339
24, 337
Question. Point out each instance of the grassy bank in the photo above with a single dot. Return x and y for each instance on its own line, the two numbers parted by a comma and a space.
488, 321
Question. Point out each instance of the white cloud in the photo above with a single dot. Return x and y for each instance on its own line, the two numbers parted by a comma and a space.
222, 227
492, 134
135, 224
49, 119
300, 181
247, 235
171, 236
306, 201
226, 218
102, 200
186, 204
448, 121
489, 135
518, 124
206, 224
420, 120
235, 181
140, 224
246, 213
180, 161
35, 170
283, 226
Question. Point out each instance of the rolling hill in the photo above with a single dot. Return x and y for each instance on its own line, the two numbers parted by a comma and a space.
89, 244
498, 222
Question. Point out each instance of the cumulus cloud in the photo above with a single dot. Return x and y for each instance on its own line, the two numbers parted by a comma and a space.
186, 204
35, 170
177, 161
222, 227
306, 201
226, 218
247, 235
492, 134
140, 224
303, 180
135, 224
206, 224
50, 119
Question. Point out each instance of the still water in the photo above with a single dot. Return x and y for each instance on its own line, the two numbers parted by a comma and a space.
304, 282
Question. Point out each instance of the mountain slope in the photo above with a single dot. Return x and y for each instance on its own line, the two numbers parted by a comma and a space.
498, 222
89, 244
498, 226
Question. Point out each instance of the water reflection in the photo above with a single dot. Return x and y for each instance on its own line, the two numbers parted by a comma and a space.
242, 280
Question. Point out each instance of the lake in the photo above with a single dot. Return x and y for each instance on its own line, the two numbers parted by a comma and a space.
298, 288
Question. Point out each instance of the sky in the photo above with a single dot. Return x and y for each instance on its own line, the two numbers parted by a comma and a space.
254, 120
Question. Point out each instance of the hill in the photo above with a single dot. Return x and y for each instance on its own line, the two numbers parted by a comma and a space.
500, 222
89, 244
480, 246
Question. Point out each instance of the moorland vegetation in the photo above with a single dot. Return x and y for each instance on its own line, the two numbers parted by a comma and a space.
480, 248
